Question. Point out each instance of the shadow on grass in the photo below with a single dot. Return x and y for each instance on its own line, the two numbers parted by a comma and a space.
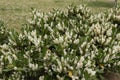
106, 4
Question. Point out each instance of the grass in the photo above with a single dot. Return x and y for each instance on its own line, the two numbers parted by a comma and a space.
15, 12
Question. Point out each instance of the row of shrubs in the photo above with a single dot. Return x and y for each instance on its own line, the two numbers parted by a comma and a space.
75, 44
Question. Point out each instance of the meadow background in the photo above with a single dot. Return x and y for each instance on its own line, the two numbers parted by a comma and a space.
16, 12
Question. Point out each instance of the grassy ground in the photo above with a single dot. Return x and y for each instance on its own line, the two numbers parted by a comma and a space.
16, 12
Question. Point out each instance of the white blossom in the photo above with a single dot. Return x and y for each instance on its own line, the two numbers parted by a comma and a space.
88, 63
83, 78
108, 41
33, 66
116, 49
59, 66
15, 68
106, 58
75, 78
83, 44
80, 63
41, 78
59, 26
60, 78
118, 36
45, 36
76, 41
109, 32
9, 59
90, 71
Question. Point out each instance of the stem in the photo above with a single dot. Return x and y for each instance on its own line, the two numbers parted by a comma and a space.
115, 3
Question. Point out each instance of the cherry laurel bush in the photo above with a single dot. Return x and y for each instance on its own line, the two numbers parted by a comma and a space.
62, 45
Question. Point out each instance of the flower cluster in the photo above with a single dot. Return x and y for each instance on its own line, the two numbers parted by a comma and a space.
58, 45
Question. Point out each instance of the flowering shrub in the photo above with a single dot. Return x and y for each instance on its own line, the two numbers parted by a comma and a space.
70, 45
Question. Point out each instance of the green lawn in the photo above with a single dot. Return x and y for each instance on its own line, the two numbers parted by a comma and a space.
16, 12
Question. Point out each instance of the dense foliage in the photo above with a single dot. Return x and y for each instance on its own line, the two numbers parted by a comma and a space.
71, 45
